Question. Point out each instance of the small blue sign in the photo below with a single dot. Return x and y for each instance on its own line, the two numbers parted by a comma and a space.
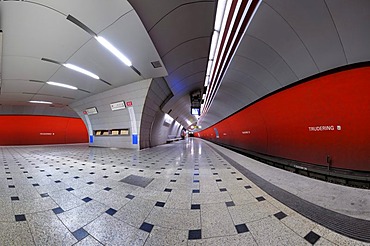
134, 138
91, 138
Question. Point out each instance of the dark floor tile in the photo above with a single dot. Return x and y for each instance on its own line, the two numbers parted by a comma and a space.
70, 189
146, 227
196, 174
241, 228
172, 180
218, 180
90, 183
167, 190
11, 186
44, 195
130, 197
157, 172
80, 234
107, 188
312, 237
196, 191
223, 189
58, 210
215, 173
57, 181
196, 181
14, 198
239, 178
260, 198
195, 206
247, 187
195, 234
48, 175
160, 204
20, 217
86, 199
105, 177
233, 172
111, 211
76, 177
280, 215
230, 204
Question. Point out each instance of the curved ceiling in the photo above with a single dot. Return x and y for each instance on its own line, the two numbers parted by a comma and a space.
288, 41
38, 29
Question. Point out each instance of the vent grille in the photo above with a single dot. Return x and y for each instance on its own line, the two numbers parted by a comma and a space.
156, 64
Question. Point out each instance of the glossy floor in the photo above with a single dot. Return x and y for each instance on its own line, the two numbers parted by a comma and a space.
183, 193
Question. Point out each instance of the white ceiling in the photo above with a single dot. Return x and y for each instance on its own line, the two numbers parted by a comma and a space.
287, 40
39, 29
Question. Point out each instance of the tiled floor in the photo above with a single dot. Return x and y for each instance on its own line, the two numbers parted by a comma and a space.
76, 195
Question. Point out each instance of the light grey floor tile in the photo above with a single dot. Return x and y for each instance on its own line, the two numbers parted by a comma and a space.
216, 221
135, 211
15, 234
180, 219
167, 237
110, 231
88, 241
78, 217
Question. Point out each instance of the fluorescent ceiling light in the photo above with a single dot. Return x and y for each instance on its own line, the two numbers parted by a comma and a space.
214, 43
81, 70
220, 14
42, 102
113, 50
62, 85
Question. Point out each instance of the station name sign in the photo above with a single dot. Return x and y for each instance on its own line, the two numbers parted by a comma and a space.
118, 105
323, 128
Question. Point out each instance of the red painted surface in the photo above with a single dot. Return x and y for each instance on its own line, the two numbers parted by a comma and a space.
27, 130
279, 125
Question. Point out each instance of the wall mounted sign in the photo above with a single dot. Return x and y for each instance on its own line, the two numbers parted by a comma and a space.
118, 105
91, 111
129, 104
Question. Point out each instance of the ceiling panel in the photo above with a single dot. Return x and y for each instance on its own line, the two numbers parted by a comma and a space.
13, 86
31, 30
96, 14
352, 20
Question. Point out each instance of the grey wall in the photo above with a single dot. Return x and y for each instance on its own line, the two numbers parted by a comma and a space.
108, 119
154, 131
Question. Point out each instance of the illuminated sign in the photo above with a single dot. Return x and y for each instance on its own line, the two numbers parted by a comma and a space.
129, 104
195, 111
91, 111
323, 128
117, 105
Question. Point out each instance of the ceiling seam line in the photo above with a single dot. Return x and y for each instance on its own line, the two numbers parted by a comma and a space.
200, 58
177, 7
249, 35
303, 43
178, 45
45, 6
336, 29
247, 58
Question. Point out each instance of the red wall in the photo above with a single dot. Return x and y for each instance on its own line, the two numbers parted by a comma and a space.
279, 124
24, 130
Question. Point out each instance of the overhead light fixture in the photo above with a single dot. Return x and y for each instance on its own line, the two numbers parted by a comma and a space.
113, 50
81, 70
62, 85
221, 4
41, 102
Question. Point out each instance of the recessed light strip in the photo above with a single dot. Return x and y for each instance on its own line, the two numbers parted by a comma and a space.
41, 102
242, 25
113, 50
81, 70
104, 43
62, 85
